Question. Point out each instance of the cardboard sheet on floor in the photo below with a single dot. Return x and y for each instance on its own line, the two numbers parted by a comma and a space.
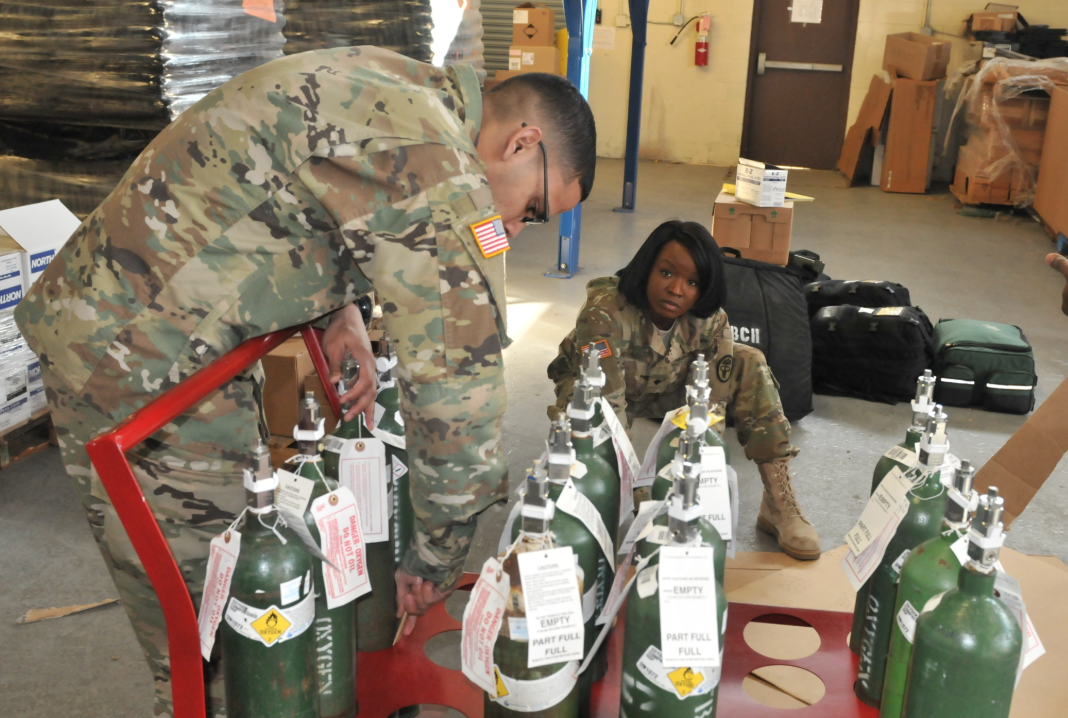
863, 137
747, 567
821, 585
1051, 192
1022, 465
907, 163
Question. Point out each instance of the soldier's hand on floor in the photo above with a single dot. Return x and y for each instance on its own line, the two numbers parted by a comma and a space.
1060, 263
347, 334
415, 596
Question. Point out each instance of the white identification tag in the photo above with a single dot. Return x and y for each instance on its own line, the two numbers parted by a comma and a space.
339, 528
648, 511
689, 629
902, 456
553, 606
362, 470
601, 434
732, 478
333, 444
612, 606
714, 492
578, 469
291, 499
626, 459
397, 441
890, 497
646, 584
960, 549
648, 471
906, 621
576, 504
899, 562
222, 557
859, 569
1008, 590
481, 623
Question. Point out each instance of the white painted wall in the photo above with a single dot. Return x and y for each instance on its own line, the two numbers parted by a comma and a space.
694, 114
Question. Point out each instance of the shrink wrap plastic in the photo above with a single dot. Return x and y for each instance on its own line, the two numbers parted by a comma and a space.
1005, 98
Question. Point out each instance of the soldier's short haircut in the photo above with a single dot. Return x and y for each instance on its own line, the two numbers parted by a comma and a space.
634, 278
568, 116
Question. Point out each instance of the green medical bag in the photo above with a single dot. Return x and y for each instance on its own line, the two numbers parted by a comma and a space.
984, 364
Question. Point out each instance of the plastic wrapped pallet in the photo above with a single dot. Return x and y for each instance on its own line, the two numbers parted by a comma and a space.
404, 26
466, 44
127, 64
1005, 107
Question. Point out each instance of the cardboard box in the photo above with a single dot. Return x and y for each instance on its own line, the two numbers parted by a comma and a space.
973, 183
759, 184
915, 56
774, 580
12, 285
857, 151
285, 369
534, 59
1051, 192
759, 233
37, 231
909, 139
533, 25
1001, 21
990, 145
1019, 113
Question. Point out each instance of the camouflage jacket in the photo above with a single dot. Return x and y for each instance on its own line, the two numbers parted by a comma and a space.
645, 379
278, 198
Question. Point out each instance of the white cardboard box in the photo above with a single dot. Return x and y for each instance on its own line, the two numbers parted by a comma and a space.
36, 232
760, 184
35, 385
11, 280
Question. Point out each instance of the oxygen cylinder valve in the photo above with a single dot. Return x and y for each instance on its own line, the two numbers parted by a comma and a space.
935, 444
924, 401
986, 535
685, 510
260, 481
698, 393
538, 509
561, 453
310, 431
350, 374
962, 497
594, 373
581, 408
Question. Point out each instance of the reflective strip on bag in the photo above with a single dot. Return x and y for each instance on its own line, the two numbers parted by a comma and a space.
956, 381
1011, 387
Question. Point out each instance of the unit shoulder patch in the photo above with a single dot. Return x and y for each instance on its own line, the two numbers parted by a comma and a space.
724, 368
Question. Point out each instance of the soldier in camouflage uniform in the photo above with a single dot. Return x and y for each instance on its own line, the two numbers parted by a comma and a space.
646, 365
276, 200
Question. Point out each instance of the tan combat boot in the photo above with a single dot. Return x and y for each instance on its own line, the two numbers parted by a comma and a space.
780, 515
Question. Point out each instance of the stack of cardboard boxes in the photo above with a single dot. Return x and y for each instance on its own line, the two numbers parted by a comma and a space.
756, 218
533, 42
30, 236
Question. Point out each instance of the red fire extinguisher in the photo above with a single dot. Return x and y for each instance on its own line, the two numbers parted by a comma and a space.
700, 58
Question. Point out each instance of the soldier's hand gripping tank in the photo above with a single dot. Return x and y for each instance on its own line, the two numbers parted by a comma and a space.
650, 322
278, 199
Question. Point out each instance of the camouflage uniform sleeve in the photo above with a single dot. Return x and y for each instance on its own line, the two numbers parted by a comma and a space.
439, 310
595, 323
762, 427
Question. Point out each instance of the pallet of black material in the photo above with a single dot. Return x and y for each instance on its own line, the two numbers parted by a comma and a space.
27, 438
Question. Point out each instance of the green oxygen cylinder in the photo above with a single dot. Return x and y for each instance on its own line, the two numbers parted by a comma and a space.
510, 650
267, 641
928, 571
391, 425
603, 444
922, 522
698, 395
647, 687
600, 485
967, 648
335, 629
921, 408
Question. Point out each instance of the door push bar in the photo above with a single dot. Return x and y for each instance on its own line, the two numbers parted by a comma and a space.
763, 63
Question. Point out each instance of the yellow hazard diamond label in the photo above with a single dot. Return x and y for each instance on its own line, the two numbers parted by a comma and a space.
270, 626
685, 680
501, 690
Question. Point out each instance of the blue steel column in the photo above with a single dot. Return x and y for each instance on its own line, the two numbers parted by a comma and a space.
639, 15
580, 22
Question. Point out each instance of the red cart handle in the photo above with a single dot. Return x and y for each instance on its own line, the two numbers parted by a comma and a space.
108, 455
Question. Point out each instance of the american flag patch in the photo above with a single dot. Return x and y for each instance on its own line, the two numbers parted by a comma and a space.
602, 348
491, 236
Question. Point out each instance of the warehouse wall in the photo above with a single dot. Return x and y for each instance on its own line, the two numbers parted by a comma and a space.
694, 114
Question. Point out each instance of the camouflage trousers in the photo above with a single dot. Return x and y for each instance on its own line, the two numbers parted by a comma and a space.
194, 495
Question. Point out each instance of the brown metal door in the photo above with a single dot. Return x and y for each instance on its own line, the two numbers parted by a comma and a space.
797, 95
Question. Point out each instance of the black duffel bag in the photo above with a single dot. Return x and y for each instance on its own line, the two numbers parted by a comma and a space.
766, 308
873, 354
855, 293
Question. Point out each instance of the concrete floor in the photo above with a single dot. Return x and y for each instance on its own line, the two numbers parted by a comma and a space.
90, 665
